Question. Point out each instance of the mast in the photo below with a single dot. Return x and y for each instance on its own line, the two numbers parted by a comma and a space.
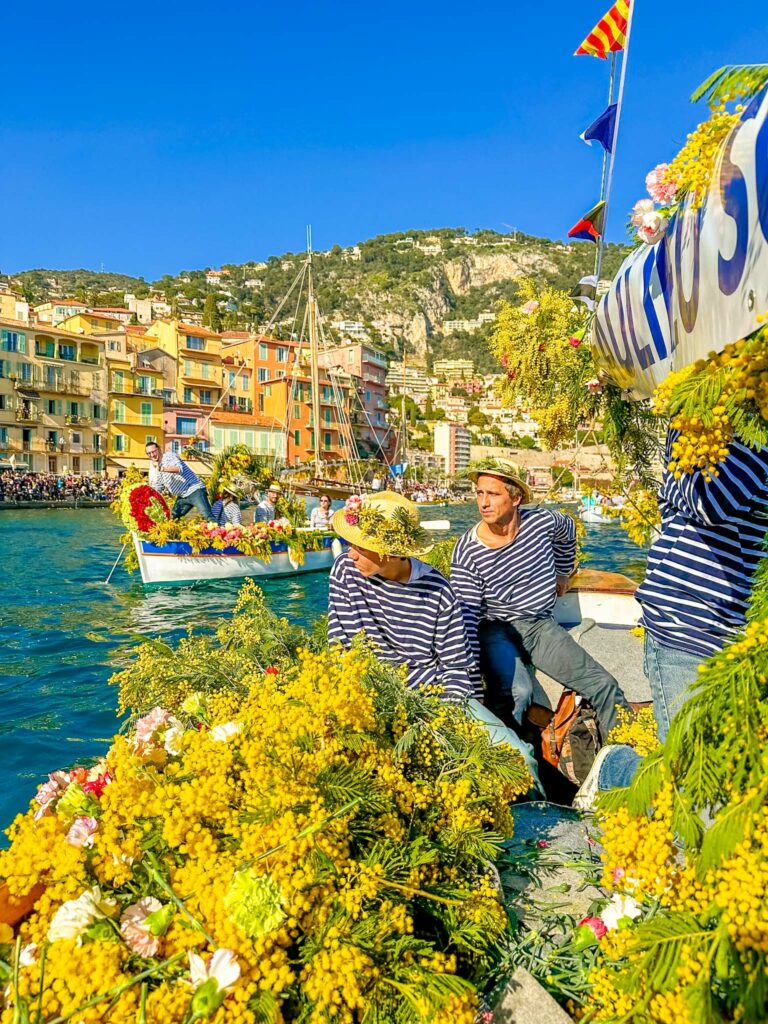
313, 356
404, 428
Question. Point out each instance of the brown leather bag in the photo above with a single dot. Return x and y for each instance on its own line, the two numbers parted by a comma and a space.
571, 740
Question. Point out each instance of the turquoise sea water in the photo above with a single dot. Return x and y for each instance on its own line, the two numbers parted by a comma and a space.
63, 631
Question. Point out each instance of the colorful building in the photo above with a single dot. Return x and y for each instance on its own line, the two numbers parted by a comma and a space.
89, 322
452, 443
289, 402
13, 306
135, 413
56, 310
367, 369
53, 400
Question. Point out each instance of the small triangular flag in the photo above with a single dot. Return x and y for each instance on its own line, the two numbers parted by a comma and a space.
590, 227
602, 129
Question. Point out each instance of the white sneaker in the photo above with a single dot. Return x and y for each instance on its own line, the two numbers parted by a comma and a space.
588, 790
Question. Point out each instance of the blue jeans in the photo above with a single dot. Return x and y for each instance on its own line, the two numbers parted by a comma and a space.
670, 673
197, 500
500, 733
509, 651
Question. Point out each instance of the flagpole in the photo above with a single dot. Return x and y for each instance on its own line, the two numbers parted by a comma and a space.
606, 157
612, 160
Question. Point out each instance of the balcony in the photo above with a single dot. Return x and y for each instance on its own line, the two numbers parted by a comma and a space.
58, 384
27, 413
241, 405
127, 387
138, 421
80, 421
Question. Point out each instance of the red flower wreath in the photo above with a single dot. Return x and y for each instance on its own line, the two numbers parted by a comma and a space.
143, 501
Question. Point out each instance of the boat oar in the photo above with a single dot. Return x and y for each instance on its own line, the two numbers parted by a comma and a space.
111, 571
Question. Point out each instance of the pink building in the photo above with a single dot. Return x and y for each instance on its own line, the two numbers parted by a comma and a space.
367, 368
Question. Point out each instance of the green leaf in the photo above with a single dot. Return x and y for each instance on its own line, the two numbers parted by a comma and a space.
733, 81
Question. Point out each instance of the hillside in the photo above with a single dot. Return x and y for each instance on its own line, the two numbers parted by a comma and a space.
402, 287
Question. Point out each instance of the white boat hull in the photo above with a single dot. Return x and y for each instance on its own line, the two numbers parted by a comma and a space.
157, 566
594, 515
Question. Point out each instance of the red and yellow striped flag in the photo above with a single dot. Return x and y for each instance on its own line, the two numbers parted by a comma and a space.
610, 33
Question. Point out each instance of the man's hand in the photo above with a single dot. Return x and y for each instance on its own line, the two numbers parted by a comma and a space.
563, 585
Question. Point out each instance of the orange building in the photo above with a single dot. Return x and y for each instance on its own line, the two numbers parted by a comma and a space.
289, 401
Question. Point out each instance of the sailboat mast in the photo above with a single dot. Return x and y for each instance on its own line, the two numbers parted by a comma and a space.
404, 444
314, 362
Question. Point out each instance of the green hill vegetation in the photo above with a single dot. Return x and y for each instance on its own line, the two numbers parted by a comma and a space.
401, 286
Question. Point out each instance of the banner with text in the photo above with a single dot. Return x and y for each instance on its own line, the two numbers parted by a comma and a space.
704, 284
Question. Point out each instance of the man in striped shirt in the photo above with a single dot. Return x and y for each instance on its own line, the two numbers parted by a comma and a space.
696, 588
406, 608
697, 582
507, 573
169, 473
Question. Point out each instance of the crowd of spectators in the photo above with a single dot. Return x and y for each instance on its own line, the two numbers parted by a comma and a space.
15, 487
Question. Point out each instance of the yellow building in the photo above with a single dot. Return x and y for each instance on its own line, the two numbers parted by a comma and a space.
56, 310
197, 352
53, 402
135, 414
90, 323
13, 306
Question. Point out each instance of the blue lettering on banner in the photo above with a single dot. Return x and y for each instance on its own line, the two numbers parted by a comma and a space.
761, 176
657, 335
688, 308
733, 190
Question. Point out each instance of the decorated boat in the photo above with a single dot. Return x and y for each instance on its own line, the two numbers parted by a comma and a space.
178, 562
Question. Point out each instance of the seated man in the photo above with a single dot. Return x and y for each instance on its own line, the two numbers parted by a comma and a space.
226, 511
266, 510
507, 573
169, 473
405, 607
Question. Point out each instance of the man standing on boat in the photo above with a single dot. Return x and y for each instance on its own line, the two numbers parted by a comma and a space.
696, 588
266, 510
169, 473
507, 573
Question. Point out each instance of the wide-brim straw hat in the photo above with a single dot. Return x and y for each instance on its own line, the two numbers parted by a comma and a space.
275, 487
231, 491
504, 470
387, 503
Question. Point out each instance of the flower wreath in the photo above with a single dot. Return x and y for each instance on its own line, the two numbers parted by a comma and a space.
147, 507
398, 534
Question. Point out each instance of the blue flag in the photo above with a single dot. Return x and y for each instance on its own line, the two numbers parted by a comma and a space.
602, 129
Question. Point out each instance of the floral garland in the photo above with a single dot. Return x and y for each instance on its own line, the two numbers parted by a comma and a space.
268, 857
687, 176
398, 534
147, 508
254, 539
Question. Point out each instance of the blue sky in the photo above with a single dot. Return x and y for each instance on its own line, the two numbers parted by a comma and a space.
152, 138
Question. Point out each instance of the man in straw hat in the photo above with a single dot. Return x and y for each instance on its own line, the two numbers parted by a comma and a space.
507, 572
266, 510
225, 510
403, 605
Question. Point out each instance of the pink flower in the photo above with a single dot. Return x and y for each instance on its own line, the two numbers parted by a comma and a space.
95, 787
652, 228
661, 191
531, 306
575, 342
542, 844
134, 927
594, 386
617, 874
352, 508
82, 831
146, 727
596, 926
504, 360
640, 209
49, 791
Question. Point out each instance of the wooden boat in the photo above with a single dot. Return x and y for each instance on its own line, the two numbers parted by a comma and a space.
599, 611
175, 562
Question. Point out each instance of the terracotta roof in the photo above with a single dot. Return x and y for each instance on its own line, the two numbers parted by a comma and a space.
239, 335
197, 331
136, 328
109, 309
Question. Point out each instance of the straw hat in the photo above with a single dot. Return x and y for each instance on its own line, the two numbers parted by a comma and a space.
274, 486
386, 523
231, 491
505, 470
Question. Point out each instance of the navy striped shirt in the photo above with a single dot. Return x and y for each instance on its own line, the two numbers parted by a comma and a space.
699, 574
226, 515
180, 484
417, 624
518, 580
